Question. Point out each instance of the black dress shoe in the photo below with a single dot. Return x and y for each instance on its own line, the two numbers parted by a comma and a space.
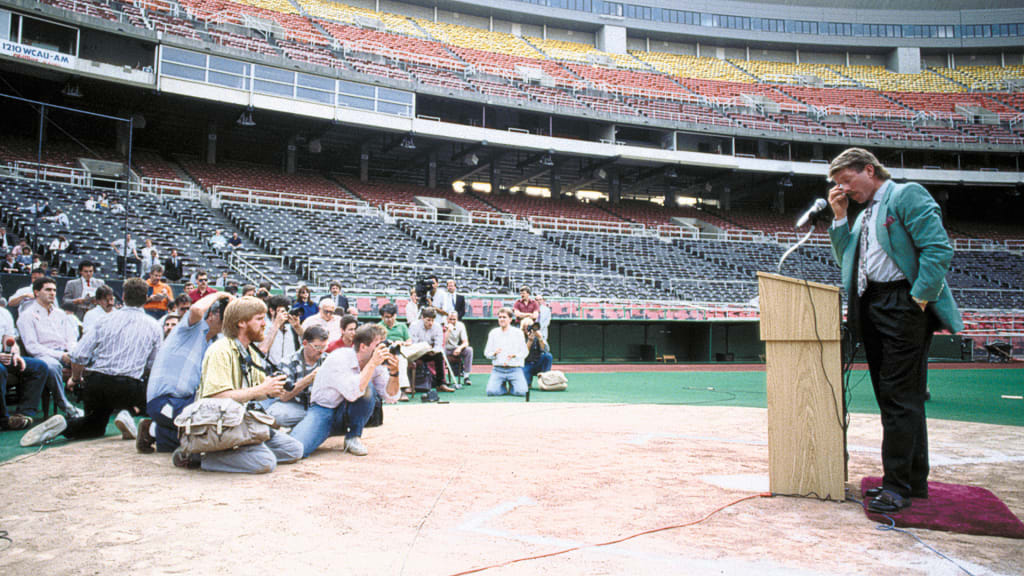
888, 502
873, 492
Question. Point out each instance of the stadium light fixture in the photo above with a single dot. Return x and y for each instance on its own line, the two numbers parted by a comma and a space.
408, 143
245, 118
71, 89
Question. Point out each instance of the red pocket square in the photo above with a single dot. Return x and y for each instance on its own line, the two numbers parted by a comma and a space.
889, 220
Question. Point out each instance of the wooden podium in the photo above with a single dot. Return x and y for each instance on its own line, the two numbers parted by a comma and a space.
806, 442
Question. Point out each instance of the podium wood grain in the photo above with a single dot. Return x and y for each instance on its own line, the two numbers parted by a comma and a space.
806, 445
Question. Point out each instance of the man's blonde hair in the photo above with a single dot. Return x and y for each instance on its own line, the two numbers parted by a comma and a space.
241, 310
857, 159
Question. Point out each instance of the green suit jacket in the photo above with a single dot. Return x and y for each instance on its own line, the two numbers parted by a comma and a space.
909, 228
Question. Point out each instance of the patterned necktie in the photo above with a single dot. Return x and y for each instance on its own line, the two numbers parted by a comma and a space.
862, 265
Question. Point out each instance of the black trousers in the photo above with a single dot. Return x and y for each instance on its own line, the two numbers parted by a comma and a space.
103, 395
897, 335
439, 373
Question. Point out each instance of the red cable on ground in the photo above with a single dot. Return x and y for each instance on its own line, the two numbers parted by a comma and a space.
609, 543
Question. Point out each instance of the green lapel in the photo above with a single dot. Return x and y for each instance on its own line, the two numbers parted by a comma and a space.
881, 230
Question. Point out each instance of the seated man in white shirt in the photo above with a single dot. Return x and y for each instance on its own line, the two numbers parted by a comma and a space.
345, 392
218, 242
90, 205
49, 337
60, 218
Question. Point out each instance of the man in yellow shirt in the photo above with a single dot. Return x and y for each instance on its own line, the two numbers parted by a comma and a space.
233, 368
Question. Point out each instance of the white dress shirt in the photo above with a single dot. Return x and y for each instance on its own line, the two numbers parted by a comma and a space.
46, 333
337, 380
507, 348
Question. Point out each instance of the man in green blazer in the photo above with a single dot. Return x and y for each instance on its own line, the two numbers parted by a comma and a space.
894, 262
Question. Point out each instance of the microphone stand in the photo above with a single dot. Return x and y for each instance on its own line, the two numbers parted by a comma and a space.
795, 246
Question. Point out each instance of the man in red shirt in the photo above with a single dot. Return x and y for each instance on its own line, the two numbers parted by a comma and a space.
202, 286
526, 306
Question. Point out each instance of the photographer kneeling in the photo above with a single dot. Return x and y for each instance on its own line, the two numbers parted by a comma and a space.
342, 398
301, 368
539, 358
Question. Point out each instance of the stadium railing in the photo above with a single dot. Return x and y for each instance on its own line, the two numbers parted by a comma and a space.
320, 284
674, 231
485, 306
600, 226
489, 219
817, 239
239, 261
237, 195
81, 177
410, 211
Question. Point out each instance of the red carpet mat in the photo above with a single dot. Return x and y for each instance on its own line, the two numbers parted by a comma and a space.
952, 508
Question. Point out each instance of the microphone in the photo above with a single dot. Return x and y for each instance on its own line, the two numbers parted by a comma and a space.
8, 344
812, 213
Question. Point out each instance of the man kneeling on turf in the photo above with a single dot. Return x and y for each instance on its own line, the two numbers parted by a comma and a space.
345, 391
233, 368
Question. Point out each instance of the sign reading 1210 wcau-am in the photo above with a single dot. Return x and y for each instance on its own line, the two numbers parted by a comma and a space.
35, 54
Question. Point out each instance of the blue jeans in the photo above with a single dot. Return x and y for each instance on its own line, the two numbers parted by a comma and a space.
33, 378
542, 364
163, 410
55, 381
502, 374
285, 413
320, 422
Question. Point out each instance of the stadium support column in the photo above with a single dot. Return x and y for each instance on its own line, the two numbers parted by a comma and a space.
495, 170
555, 185
904, 60
289, 156
364, 163
211, 142
432, 170
614, 186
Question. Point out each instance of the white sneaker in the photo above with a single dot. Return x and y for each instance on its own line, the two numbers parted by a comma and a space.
45, 432
355, 447
73, 411
126, 425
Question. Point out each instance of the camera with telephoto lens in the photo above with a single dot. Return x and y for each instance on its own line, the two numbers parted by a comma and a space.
295, 311
393, 347
535, 327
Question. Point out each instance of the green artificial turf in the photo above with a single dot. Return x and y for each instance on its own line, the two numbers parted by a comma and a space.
966, 395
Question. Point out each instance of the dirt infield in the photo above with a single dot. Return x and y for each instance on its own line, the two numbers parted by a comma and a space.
448, 488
